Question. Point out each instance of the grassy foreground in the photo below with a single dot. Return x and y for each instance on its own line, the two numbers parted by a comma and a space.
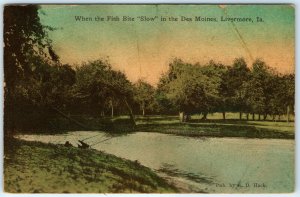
33, 167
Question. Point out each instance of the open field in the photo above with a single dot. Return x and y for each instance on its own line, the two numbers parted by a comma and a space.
216, 127
34, 167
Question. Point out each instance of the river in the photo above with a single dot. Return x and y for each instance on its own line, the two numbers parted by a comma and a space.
213, 165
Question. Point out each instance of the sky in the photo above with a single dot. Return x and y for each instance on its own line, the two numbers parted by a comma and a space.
143, 50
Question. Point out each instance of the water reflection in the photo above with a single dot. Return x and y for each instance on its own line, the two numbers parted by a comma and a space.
204, 164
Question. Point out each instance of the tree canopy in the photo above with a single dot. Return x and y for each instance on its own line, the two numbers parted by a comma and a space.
38, 85
195, 88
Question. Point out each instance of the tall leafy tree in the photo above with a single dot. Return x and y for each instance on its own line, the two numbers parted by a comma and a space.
231, 86
225, 93
288, 94
144, 95
277, 104
164, 104
25, 43
254, 98
99, 87
262, 80
193, 88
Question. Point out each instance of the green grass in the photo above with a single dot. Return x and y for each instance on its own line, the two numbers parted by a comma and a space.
236, 116
216, 127
33, 167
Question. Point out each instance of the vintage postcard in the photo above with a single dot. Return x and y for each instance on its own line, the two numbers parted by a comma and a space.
150, 98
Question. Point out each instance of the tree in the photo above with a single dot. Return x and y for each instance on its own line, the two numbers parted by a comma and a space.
262, 80
225, 93
25, 41
193, 88
216, 72
287, 94
144, 95
237, 75
98, 88
164, 104
253, 95
277, 105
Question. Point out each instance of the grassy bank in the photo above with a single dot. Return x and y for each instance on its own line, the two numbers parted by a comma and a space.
34, 167
214, 127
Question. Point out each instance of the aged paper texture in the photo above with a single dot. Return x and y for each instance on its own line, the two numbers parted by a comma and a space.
149, 98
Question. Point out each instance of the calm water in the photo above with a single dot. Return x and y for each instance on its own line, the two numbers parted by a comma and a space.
206, 164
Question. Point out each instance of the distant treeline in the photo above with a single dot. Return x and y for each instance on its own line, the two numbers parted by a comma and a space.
38, 88
214, 87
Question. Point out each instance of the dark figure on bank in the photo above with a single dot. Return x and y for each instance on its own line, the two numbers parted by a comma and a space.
68, 144
83, 145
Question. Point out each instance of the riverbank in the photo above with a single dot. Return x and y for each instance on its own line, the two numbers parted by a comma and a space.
35, 167
214, 126
195, 164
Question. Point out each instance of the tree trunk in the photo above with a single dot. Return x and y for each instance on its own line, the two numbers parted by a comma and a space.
184, 117
9, 111
224, 115
181, 116
187, 117
247, 116
112, 110
143, 108
258, 116
204, 116
288, 113
241, 115
253, 116
130, 113
265, 116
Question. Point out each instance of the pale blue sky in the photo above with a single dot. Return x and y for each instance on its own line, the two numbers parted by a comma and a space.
144, 49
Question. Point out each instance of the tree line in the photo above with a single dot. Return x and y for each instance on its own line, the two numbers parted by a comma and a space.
214, 87
38, 87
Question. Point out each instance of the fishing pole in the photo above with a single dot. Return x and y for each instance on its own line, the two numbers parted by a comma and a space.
102, 141
91, 137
